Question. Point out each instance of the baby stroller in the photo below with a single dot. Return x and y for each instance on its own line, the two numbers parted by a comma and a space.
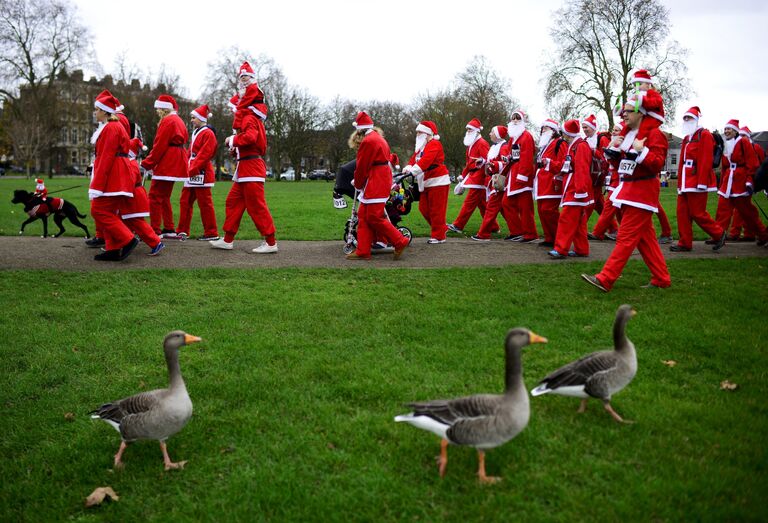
401, 196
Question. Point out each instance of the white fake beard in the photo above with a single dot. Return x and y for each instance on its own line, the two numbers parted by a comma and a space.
515, 129
689, 127
470, 138
97, 132
421, 141
545, 138
493, 152
729, 145
592, 141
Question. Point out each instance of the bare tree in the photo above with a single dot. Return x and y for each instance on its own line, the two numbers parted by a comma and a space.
303, 117
599, 42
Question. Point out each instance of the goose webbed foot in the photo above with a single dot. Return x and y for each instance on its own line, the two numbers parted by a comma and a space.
118, 457
582, 406
615, 415
170, 465
481, 475
442, 459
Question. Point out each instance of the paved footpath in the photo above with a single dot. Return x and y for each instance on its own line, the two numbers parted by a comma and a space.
71, 254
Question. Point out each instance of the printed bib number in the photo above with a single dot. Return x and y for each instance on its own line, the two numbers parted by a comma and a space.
567, 164
689, 164
198, 179
733, 166
515, 154
627, 167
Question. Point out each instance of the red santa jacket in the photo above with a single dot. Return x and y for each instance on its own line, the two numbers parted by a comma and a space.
138, 206
250, 144
168, 158
521, 174
759, 152
202, 149
577, 171
738, 169
373, 175
548, 183
125, 123
111, 168
639, 177
599, 170
474, 177
694, 171
429, 165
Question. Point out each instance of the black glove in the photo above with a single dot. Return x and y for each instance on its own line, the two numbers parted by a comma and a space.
612, 154
632, 155
750, 190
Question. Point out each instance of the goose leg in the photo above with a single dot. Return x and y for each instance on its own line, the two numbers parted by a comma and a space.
118, 457
583, 406
442, 459
481, 470
167, 460
615, 414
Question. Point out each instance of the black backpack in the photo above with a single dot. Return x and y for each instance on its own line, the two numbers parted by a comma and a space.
717, 152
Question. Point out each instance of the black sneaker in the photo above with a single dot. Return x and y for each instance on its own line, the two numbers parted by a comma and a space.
680, 248
208, 238
547, 244
720, 243
126, 250
514, 238
593, 281
95, 242
113, 255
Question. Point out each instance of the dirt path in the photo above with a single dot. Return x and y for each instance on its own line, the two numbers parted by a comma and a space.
71, 254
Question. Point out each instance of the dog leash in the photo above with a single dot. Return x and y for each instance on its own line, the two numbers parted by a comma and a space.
68, 188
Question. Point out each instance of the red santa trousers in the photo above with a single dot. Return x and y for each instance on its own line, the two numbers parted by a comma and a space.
105, 212
737, 224
744, 207
140, 226
207, 213
372, 223
692, 207
607, 220
475, 199
492, 208
572, 230
635, 232
433, 205
160, 210
519, 207
666, 228
549, 214
248, 196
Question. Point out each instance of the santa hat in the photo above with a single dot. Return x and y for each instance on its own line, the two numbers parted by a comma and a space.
733, 124
260, 110
232, 103
38, 181
106, 102
429, 128
363, 121
620, 124
475, 125
694, 112
640, 76
202, 113
744, 131
394, 159
571, 128
549, 122
253, 100
649, 103
246, 70
521, 113
500, 131
166, 101
590, 121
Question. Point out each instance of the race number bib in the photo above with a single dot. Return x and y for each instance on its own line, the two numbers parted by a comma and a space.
566, 165
198, 179
627, 167
689, 164
515, 154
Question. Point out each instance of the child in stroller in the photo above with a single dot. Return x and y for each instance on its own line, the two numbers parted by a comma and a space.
402, 195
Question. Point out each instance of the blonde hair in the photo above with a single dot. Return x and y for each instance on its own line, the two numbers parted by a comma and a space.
113, 118
356, 138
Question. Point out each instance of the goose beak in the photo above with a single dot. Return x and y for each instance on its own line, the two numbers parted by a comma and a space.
535, 338
633, 312
188, 338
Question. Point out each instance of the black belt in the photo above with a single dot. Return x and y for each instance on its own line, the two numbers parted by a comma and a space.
433, 166
473, 170
637, 179
138, 185
250, 157
121, 155
176, 145
380, 163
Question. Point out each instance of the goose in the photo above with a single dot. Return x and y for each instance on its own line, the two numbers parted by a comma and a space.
600, 374
482, 421
156, 414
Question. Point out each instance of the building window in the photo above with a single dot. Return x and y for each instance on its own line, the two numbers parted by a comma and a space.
674, 159
74, 157
73, 138
64, 135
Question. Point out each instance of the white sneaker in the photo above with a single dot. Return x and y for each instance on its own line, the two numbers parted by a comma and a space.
265, 248
221, 244
433, 241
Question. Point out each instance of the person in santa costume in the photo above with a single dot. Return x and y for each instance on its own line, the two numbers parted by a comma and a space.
197, 188
168, 163
739, 166
473, 176
40, 190
494, 165
373, 180
734, 234
428, 167
577, 195
518, 203
548, 183
136, 209
639, 157
249, 145
695, 180
607, 225
111, 182
597, 142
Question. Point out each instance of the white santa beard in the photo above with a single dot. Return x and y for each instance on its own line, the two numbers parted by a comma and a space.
493, 152
515, 130
421, 141
592, 141
470, 138
690, 127
545, 138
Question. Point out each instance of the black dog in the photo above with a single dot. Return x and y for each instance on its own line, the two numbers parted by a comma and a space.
40, 210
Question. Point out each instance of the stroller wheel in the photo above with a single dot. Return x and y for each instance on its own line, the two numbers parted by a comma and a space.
405, 231
349, 248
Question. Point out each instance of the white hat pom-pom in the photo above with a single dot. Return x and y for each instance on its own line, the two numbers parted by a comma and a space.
144, 147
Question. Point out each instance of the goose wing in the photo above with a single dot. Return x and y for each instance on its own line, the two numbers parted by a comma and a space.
580, 371
123, 413
452, 411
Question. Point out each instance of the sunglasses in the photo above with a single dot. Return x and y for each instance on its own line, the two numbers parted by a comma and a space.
516, 117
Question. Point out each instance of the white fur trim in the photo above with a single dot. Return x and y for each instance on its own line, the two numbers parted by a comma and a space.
371, 200
731, 126
364, 126
104, 108
424, 129
437, 182
163, 105
573, 135
589, 124
416, 170
655, 115
692, 116
250, 179
134, 215
642, 155
258, 113
472, 127
200, 117
577, 204
168, 178
187, 184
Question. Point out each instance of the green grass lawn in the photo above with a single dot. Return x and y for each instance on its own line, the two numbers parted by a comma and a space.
301, 210
302, 371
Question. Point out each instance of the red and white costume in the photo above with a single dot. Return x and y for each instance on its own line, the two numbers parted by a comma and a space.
168, 162
577, 195
597, 142
202, 149
518, 203
607, 222
474, 178
428, 166
40, 190
738, 223
638, 196
136, 209
548, 183
494, 165
373, 178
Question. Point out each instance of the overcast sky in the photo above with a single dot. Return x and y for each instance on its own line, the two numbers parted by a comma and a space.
396, 49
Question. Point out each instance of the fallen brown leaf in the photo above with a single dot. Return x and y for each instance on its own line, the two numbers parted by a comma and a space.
69, 416
727, 385
669, 363
142, 384
98, 495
